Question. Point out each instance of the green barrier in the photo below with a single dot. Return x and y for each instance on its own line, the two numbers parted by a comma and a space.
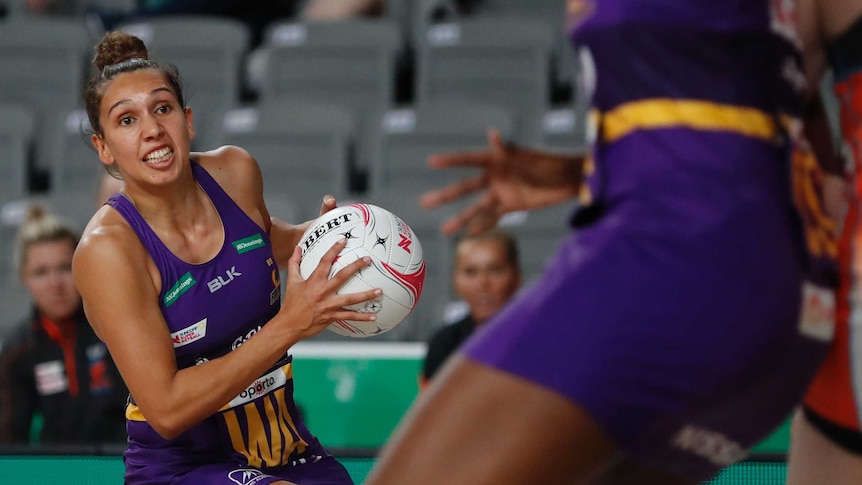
108, 470
354, 394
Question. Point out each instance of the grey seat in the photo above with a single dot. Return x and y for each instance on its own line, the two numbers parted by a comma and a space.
539, 233
76, 167
405, 138
72, 8
17, 131
209, 52
303, 148
349, 63
564, 128
503, 61
43, 67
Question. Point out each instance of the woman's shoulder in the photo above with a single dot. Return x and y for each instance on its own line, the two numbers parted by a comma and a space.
229, 158
107, 233
231, 166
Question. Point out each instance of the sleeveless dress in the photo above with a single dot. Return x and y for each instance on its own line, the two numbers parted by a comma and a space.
671, 313
211, 309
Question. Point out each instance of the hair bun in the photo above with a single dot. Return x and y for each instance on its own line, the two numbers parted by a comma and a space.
117, 47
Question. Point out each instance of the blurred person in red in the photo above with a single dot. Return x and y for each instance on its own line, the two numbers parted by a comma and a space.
53, 366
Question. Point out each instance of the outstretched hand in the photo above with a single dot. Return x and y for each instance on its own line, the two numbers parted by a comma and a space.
512, 179
314, 303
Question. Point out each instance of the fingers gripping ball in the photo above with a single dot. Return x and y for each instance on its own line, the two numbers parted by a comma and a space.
398, 266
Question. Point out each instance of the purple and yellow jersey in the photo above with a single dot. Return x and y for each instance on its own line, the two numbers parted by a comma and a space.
704, 67
671, 314
211, 309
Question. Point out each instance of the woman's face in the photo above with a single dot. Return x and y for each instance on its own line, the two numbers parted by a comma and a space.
47, 274
144, 129
484, 277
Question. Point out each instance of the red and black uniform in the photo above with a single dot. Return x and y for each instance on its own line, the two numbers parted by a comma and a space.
63, 372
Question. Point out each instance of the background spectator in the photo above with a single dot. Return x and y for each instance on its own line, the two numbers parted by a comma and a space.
53, 368
486, 275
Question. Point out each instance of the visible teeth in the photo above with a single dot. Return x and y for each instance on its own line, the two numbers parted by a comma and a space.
158, 155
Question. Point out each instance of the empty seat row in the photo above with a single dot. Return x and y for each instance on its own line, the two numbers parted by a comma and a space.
352, 63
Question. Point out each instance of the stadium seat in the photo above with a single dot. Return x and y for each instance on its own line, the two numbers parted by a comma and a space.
76, 167
43, 63
538, 233
563, 128
503, 61
350, 63
209, 52
404, 138
70, 8
17, 130
303, 148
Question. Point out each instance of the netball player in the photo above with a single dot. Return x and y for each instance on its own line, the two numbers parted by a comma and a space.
179, 274
664, 338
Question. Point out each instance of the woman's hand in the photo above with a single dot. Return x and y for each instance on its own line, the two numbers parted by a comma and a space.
512, 179
314, 303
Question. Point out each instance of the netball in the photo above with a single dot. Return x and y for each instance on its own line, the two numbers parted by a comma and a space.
398, 266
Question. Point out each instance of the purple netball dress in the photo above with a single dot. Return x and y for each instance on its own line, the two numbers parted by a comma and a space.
671, 312
211, 309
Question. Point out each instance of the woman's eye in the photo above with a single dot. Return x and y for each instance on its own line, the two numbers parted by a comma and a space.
163, 109
125, 120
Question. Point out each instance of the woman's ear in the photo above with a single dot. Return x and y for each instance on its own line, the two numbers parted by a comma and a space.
101, 147
190, 122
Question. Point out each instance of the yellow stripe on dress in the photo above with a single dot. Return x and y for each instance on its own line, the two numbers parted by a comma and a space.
650, 114
133, 413
264, 385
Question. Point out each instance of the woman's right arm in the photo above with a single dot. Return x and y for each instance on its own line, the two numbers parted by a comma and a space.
117, 281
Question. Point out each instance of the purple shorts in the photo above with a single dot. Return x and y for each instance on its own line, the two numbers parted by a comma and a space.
672, 317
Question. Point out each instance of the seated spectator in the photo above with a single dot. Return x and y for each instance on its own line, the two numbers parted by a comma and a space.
486, 275
54, 370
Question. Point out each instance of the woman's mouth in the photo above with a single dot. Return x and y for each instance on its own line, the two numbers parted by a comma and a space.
159, 155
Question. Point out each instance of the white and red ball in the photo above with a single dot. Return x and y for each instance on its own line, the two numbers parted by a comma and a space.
398, 266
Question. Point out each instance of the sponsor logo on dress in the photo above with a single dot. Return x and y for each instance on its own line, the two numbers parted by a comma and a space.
249, 243
219, 282
243, 338
246, 476
190, 334
712, 445
262, 386
182, 285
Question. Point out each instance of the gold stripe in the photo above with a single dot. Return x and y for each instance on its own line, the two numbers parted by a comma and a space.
133, 413
699, 115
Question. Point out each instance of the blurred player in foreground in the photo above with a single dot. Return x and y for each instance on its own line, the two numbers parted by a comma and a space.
665, 337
